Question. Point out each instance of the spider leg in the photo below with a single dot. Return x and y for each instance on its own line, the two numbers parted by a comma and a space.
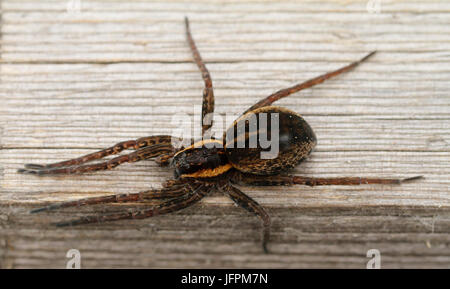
252, 206
174, 190
140, 154
208, 93
115, 149
173, 205
164, 159
255, 180
348, 181
309, 83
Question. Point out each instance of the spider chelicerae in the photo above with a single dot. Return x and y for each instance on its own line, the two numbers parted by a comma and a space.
211, 164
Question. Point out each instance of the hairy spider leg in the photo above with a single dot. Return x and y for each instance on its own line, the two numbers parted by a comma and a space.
115, 149
255, 180
175, 190
140, 154
309, 83
164, 159
208, 93
173, 205
244, 201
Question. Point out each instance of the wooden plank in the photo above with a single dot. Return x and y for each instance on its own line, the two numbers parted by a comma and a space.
75, 82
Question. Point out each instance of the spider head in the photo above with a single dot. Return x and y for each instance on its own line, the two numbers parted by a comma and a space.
203, 159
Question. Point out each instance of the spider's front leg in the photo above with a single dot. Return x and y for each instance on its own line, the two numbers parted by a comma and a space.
244, 201
147, 147
171, 189
196, 193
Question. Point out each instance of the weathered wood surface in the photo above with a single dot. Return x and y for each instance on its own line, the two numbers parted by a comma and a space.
74, 82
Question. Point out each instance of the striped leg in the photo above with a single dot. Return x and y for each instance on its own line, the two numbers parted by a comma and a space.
309, 83
140, 154
244, 201
195, 195
164, 159
254, 180
115, 149
208, 93
173, 189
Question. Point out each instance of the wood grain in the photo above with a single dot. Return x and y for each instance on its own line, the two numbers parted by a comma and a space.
75, 82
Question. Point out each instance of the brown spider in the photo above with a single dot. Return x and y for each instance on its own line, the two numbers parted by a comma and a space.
211, 164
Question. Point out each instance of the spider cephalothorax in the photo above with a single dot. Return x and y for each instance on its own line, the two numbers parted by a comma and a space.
203, 160
260, 145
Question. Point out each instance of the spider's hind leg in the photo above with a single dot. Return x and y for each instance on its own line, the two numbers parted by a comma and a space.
309, 83
279, 180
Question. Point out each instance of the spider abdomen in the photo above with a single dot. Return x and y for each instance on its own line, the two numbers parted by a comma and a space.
268, 140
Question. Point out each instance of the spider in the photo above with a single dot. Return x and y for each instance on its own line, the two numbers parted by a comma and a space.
210, 164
